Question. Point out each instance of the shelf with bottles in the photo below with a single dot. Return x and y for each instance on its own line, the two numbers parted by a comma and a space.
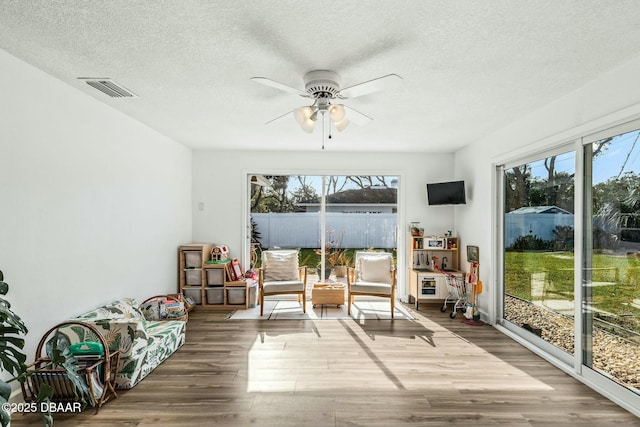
433, 253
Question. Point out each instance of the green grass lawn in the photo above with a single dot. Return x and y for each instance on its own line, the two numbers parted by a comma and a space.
617, 276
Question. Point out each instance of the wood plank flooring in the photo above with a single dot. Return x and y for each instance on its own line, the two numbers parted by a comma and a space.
433, 371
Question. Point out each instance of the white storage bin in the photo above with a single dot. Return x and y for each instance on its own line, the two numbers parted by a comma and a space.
215, 276
194, 294
192, 259
215, 295
236, 295
193, 277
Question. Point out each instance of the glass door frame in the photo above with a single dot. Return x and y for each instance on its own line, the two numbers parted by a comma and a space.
539, 345
570, 364
609, 388
402, 288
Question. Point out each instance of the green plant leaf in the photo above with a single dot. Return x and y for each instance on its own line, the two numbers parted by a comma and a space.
57, 349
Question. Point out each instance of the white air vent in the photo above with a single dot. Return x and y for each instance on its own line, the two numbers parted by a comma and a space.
109, 87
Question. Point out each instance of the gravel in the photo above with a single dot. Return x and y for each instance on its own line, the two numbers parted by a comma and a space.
613, 356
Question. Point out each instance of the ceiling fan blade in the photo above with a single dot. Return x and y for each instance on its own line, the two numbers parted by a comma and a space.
390, 81
272, 83
357, 117
279, 117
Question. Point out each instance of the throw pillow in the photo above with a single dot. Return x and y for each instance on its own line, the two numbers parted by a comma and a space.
375, 269
280, 265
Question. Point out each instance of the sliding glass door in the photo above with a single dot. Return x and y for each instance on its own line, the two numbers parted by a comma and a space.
327, 217
538, 248
578, 302
611, 270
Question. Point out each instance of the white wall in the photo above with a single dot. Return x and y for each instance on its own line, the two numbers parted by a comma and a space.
220, 181
610, 99
92, 204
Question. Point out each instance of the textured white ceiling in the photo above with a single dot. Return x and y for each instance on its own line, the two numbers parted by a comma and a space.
469, 67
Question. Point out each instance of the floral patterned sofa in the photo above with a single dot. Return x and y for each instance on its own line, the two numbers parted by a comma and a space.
143, 344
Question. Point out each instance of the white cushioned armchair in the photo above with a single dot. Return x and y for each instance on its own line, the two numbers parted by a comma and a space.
374, 275
280, 274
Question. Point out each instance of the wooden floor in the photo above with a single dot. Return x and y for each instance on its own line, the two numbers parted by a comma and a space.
434, 371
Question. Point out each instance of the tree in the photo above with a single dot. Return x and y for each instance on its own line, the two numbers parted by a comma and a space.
616, 202
517, 183
274, 198
305, 193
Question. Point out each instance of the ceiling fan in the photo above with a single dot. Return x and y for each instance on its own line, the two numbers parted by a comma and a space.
323, 87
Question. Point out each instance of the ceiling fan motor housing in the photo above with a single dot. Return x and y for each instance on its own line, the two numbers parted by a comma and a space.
322, 83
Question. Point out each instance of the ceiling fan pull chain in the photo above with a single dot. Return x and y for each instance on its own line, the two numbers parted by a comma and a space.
323, 130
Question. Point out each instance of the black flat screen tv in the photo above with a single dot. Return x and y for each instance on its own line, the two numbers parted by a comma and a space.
446, 193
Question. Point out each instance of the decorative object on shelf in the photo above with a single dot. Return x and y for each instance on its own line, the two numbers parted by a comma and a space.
236, 271
473, 254
416, 230
219, 253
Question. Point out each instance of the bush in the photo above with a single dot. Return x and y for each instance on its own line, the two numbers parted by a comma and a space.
530, 243
563, 238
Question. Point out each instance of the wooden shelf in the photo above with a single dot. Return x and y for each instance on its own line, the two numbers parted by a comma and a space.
211, 285
427, 284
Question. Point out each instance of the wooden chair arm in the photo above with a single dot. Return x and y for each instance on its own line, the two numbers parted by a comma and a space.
260, 277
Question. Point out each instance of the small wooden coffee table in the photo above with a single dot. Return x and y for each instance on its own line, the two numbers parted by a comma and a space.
327, 293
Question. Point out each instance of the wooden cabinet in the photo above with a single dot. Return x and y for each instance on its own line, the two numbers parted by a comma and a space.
210, 285
434, 253
429, 257
222, 292
191, 275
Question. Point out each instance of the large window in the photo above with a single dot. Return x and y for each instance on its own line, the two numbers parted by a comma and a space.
571, 259
539, 248
327, 217
611, 265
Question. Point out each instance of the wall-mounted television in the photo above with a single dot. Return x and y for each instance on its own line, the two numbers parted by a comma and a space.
446, 193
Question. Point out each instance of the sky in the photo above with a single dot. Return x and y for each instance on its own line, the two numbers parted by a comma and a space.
606, 165
316, 182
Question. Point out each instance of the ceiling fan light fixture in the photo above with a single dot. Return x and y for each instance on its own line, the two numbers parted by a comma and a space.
341, 125
307, 125
337, 113
302, 114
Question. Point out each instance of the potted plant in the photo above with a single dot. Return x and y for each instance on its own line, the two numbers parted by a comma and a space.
336, 258
342, 259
